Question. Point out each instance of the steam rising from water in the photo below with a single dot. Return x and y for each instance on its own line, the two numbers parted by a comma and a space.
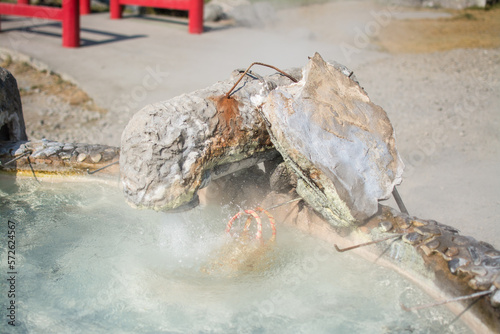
88, 263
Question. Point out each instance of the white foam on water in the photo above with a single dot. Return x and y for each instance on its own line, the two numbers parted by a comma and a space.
88, 263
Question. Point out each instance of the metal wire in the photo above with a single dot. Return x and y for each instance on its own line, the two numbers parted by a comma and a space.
32, 170
367, 243
261, 64
456, 299
99, 169
17, 158
399, 201
285, 203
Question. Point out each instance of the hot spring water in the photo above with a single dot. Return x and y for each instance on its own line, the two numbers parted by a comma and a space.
88, 263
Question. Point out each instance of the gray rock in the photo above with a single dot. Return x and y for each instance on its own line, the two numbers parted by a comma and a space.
265, 12
385, 226
55, 157
452, 4
283, 179
12, 126
253, 15
171, 149
339, 143
495, 299
212, 12
96, 157
81, 157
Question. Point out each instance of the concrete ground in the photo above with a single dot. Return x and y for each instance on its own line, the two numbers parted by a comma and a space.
126, 64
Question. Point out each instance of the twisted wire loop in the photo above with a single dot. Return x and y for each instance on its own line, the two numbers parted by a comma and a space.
231, 221
272, 222
253, 215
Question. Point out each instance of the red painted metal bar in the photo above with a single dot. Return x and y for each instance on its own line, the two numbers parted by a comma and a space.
68, 14
43, 12
196, 17
71, 23
194, 7
115, 9
170, 4
84, 7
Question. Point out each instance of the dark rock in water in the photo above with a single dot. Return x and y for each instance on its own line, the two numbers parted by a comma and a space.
12, 126
339, 143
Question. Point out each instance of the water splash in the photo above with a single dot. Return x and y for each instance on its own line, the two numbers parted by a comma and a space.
88, 263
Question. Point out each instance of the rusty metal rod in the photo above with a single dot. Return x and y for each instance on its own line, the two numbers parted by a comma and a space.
367, 243
399, 201
285, 203
32, 170
17, 158
456, 299
261, 64
99, 169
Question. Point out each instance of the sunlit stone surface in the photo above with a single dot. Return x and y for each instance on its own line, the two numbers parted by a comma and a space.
173, 148
340, 144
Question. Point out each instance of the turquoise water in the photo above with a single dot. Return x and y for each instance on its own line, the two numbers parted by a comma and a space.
88, 263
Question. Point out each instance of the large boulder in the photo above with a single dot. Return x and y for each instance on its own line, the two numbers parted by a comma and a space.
339, 143
171, 149
330, 134
12, 126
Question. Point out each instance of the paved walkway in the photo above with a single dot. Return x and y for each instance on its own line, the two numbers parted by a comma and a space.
139, 60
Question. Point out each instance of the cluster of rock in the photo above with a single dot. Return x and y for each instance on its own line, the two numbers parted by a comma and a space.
465, 256
431, 254
339, 156
340, 145
472, 264
45, 156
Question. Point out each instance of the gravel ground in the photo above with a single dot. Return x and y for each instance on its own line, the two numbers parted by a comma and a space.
54, 108
53, 118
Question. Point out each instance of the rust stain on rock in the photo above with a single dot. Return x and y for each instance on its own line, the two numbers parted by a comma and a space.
228, 114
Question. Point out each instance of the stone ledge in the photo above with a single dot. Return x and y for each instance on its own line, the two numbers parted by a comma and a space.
50, 157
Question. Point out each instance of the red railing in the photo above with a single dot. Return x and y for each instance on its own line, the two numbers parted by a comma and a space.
194, 8
84, 5
69, 15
